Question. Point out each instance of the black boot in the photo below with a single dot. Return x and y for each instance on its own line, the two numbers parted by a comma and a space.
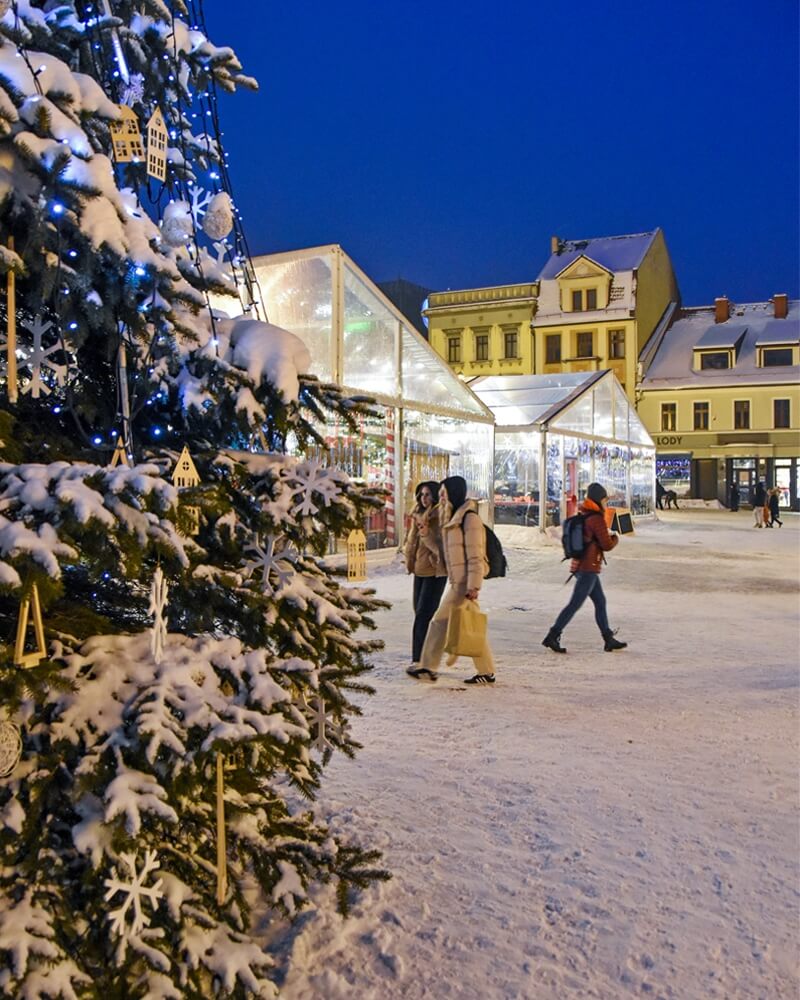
551, 641
612, 643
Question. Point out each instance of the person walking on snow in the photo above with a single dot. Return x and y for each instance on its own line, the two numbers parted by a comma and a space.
425, 559
774, 504
758, 500
586, 571
465, 556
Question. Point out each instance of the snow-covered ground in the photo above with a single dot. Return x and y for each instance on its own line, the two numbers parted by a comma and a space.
595, 825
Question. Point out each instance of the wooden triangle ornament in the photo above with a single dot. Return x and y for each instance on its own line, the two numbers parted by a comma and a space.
120, 456
33, 656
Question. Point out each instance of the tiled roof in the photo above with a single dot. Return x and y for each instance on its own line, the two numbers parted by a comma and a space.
616, 253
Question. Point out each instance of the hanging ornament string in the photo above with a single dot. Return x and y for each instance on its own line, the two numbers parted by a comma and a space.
222, 849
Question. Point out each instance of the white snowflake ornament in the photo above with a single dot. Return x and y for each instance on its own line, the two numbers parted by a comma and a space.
10, 747
313, 478
37, 358
268, 561
134, 890
158, 605
133, 90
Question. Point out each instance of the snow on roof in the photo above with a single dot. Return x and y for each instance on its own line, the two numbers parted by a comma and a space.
672, 365
615, 253
722, 335
518, 400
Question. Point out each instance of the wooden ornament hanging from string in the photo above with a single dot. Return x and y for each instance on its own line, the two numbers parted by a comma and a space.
126, 139
186, 476
11, 330
120, 456
30, 602
157, 146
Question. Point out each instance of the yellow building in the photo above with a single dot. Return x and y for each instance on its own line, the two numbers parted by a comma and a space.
600, 301
720, 395
594, 306
484, 331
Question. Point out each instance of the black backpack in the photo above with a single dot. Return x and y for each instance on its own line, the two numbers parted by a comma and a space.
498, 564
572, 538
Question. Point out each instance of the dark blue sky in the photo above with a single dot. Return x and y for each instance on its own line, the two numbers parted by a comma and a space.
444, 142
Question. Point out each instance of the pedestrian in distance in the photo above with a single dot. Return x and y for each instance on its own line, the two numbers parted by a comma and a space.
774, 504
758, 499
586, 570
464, 540
425, 560
734, 497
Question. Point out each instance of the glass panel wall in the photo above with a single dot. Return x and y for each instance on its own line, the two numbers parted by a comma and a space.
603, 412
578, 417
369, 358
298, 295
427, 380
438, 446
516, 477
642, 460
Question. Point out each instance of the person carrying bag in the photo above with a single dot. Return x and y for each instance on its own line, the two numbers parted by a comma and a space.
465, 557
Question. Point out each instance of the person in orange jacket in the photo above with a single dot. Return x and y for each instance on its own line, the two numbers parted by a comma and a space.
586, 570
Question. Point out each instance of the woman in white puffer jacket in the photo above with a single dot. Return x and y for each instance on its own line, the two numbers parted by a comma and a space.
464, 541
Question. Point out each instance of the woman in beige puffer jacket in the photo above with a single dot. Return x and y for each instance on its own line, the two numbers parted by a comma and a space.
425, 559
465, 555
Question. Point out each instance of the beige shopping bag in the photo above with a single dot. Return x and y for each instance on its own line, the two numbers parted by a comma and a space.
466, 630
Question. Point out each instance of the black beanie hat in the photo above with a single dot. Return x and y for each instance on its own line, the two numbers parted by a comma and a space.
456, 487
431, 485
596, 492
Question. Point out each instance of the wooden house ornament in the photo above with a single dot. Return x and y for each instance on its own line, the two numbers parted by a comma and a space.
126, 139
356, 556
186, 476
30, 659
157, 146
120, 456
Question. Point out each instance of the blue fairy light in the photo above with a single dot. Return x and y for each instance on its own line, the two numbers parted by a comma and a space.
57, 208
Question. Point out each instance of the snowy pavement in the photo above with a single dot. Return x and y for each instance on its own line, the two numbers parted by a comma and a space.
595, 825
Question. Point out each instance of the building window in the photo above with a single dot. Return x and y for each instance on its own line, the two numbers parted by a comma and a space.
454, 350
584, 299
511, 343
552, 348
585, 345
616, 343
714, 359
481, 346
701, 416
669, 416
772, 357
781, 413
741, 414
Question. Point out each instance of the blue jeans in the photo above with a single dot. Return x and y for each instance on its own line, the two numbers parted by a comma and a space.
586, 585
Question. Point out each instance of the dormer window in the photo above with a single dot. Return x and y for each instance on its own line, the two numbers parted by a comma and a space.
714, 359
774, 357
719, 347
584, 299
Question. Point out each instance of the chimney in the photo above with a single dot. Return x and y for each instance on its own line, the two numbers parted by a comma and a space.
781, 303
722, 309
555, 244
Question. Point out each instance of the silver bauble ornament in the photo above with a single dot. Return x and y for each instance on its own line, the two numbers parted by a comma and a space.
218, 220
176, 226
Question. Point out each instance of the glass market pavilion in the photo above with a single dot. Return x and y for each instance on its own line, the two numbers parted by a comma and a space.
430, 426
556, 434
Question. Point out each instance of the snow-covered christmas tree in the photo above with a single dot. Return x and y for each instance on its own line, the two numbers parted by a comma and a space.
179, 661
